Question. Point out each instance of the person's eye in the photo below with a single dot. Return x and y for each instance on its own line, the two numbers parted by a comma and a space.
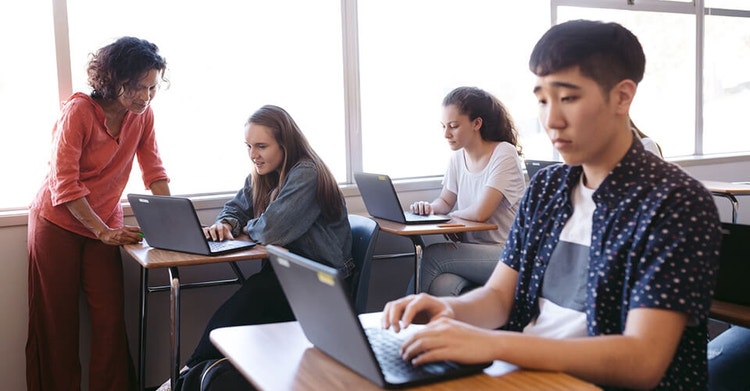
542, 102
568, 98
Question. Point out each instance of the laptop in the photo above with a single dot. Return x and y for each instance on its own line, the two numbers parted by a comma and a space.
734, 264
322, 305
171, 223
533, 166
381, 201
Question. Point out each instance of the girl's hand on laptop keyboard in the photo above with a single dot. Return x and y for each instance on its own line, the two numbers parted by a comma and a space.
421, 208
218, 232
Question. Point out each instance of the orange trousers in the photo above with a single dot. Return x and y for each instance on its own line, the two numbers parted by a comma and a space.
61, 264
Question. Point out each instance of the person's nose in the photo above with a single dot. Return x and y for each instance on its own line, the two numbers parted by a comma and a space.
145, 95
551, 117
150, 94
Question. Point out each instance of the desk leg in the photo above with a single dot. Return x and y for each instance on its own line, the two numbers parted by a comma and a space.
417, 267
418, 244
733, 200
174, 280
735, 208
143, 303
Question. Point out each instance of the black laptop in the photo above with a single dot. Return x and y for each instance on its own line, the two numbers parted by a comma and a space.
381, 201
321, 303
171, 223
533, 166
733, 283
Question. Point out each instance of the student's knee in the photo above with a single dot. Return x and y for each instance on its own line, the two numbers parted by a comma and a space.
729, 354
449, 284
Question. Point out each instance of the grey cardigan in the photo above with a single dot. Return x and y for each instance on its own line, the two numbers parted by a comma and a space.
294, 220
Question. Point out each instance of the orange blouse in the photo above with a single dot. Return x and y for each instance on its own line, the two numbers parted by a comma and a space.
88, 162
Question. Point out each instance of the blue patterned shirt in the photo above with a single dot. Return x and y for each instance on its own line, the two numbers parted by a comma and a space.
654, 244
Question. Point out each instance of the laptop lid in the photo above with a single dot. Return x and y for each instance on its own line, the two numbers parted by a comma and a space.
381, 201
321, 304
533, 166
320, 300
171, 223
734, 264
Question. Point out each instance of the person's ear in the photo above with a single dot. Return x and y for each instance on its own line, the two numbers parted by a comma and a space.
477, 123
622, 95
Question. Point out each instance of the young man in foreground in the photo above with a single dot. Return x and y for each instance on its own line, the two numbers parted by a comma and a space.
609, 268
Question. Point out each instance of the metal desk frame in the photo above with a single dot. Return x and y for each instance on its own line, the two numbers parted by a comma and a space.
149, 258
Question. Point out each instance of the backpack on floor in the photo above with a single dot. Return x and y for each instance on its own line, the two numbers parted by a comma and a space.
213, 375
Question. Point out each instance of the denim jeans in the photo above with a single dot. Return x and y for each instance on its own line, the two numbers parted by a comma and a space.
448, 269
729, 360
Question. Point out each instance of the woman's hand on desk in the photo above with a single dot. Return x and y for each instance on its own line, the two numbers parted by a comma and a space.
120, 236
218, 232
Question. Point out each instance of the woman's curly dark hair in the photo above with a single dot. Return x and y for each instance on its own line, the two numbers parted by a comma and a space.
119, 66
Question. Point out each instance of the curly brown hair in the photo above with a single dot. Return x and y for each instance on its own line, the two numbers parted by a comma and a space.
118, 66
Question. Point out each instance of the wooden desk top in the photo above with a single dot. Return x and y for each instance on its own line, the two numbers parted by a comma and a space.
278, 357
731, 313
455, 225
736, 188
150, 257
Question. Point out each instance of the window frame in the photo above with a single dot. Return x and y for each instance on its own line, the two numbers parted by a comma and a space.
350, 52
694, 7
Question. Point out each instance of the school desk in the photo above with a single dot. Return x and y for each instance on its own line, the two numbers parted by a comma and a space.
415, 232
278, 356
152, 258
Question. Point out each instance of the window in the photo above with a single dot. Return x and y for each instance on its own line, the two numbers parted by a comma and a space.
226, 60
726, 84
363, 78
667, 107
728, 4
28, 99
668, 41
412, 53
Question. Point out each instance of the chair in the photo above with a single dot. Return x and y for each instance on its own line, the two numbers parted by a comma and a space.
364, 235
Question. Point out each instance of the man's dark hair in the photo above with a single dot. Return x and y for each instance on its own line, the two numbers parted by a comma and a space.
605, 52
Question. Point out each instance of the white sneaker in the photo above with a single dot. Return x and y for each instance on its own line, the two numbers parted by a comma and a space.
166, 386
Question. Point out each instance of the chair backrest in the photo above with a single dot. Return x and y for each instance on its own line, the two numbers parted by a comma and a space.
364, 235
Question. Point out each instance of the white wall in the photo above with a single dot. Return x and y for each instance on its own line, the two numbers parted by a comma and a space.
198, 304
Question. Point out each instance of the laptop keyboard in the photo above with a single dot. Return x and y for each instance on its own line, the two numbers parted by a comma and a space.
225, 245
410, 216
386, 344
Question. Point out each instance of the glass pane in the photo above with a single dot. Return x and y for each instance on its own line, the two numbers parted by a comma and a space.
225, 61
726, 95
728, 4
28, 98
412, 53
668, 85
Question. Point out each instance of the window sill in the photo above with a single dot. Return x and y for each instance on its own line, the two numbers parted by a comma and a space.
19, 217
